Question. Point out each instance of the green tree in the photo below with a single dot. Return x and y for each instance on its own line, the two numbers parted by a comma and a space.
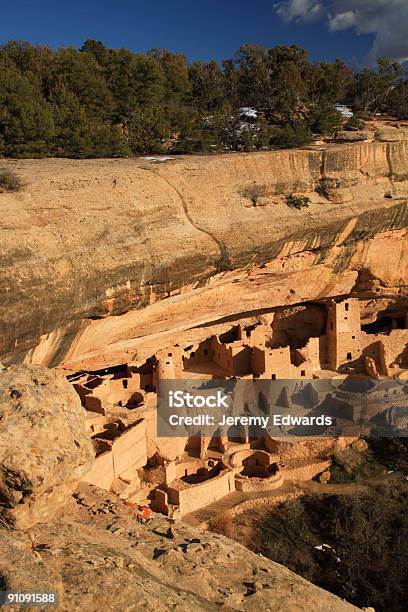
208, 85
98, 50
373, 90
291, 136
26, 121
82, 74
254, 84
324, 119
148, 131
136, 81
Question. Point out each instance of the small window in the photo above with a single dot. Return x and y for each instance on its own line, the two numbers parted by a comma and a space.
125, 384
347, 307
345, 318
303, 373
273, 376
170, 355
353, 337
349, 356
205, 351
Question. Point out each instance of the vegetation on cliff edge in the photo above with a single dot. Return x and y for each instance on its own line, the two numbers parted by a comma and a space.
97, 102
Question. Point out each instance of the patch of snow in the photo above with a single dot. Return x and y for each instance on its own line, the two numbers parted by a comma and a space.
345, 111
323, 547
248, 112
243, 126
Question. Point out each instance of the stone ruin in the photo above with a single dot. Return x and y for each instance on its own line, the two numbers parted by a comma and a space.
177, 476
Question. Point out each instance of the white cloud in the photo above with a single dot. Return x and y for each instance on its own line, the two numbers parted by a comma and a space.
342, 21
386, 19
300, 10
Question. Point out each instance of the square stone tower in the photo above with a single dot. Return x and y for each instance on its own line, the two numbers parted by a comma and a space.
343, 331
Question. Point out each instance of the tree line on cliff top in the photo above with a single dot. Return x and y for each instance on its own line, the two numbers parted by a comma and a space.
100, 102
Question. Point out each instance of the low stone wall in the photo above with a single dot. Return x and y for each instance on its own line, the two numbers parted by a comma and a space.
306, 471
262, 457
249, 504
194, 497
244, 483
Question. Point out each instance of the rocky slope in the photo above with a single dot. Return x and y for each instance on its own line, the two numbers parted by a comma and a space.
177, 246
97, 556
89, 546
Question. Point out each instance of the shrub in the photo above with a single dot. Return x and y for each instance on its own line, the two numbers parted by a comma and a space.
325, 120
253, 193
298, 202
322, 190
290, 137
9, 181
354, 124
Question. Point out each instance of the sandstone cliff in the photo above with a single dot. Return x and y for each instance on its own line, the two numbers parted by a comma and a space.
175, 246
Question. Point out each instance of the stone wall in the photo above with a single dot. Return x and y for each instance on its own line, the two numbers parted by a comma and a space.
197, 496
259, 484
128, 453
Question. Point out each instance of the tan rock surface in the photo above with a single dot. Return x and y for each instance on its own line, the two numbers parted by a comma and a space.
44, 449
99, 557
176, 245
392, 135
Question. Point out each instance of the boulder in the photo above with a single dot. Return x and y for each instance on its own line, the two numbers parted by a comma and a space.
357, 136
325, 477
392, 135
44, 448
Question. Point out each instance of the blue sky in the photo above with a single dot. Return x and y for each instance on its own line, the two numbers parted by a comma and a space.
210, 29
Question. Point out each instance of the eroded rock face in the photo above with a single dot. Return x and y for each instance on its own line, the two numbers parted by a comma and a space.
176, 244
44, 449
107, 560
